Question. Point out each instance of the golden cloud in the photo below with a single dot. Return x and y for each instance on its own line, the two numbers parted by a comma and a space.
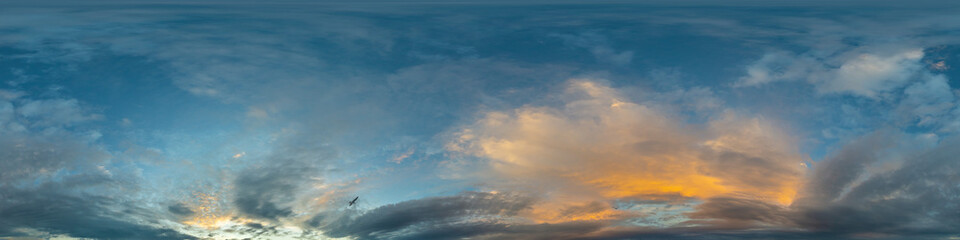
598, 145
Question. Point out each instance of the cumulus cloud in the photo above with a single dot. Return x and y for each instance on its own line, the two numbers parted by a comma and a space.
597, 144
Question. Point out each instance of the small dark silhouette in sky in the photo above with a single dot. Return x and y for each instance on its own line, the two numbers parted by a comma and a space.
354, 201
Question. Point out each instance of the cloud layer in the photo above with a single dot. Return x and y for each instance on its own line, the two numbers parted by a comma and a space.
515, 120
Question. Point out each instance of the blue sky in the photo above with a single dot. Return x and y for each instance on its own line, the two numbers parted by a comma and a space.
498, 120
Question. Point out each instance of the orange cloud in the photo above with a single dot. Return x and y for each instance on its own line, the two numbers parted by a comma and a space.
598, 145
208, 211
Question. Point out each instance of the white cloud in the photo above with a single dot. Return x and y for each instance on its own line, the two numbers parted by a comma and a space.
775, 66
870, 74
862, 72
54, 112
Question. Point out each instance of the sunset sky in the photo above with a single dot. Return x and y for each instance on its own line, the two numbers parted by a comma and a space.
516, 119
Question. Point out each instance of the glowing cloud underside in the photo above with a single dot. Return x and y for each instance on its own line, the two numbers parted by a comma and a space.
601, 146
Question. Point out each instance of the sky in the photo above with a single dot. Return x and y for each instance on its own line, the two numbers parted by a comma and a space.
479, 120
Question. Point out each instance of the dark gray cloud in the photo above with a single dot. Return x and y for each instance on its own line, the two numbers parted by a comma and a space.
848, 197
179, 209
919, 197
49, 209
265, 192
470, 214
268, 189
741, 213
833, 175
567, 230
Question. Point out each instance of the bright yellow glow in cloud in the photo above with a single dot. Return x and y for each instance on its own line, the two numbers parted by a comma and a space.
601, 146
207, 212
